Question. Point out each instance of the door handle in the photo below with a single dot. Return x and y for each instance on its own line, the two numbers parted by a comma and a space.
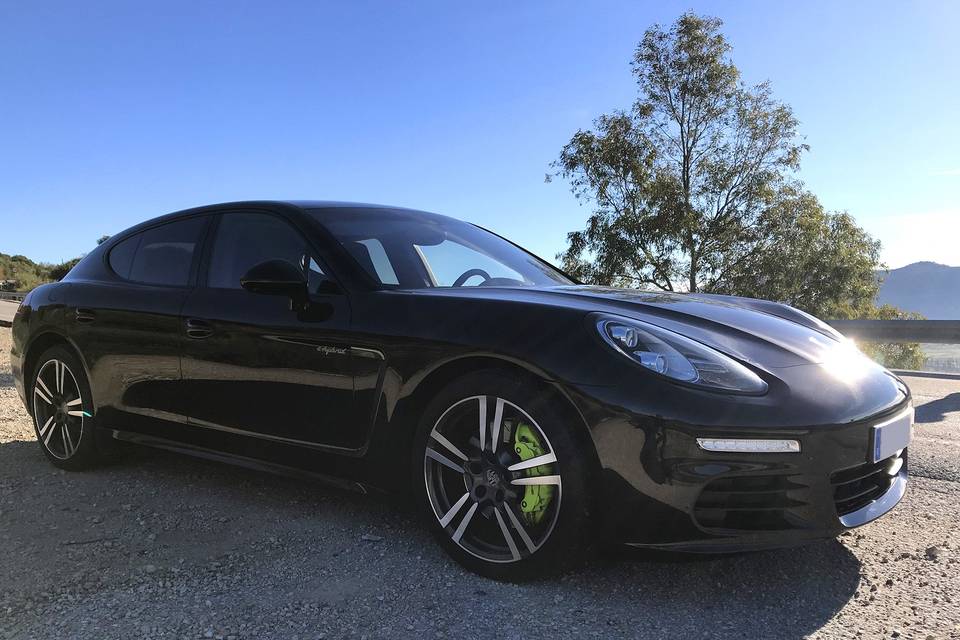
198, 329
85, 315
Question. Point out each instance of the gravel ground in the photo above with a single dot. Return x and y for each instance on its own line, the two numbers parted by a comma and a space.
164, 546
7, 310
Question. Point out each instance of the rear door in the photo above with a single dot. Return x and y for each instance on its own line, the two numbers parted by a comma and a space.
127, 324
252, 366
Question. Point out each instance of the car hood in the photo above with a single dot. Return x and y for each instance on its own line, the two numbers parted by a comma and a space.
766, 334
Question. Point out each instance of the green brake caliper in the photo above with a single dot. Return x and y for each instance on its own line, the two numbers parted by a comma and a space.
536, 497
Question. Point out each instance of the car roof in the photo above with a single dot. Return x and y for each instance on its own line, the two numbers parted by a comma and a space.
298, 204
295, 205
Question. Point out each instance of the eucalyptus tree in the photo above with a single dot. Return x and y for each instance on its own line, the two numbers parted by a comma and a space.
679, 182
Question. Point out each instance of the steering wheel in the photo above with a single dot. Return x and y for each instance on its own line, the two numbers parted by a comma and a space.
466, 275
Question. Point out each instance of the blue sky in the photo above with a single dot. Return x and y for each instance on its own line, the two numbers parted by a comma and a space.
111, 113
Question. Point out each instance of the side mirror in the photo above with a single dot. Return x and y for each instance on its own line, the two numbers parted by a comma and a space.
278, 278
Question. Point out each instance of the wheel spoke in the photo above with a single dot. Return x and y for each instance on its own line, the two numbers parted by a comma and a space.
42, 395
67, 449
46, 425
463, 523
520, 529
45, 389
73, 446
537, 480
60, 370
506, 535
53, 428
547, 458
76, 413
444, 460
75, 402
483, 422
497, 422
452, 448
445, 520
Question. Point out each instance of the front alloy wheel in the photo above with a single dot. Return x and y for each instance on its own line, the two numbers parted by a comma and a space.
492, 479
503, 484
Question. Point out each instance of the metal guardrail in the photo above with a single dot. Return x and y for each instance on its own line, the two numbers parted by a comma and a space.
931, 331
11, 295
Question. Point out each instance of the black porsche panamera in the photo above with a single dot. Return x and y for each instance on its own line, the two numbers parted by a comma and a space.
396, 350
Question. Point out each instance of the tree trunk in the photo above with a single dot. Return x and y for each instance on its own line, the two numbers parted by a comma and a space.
694, 263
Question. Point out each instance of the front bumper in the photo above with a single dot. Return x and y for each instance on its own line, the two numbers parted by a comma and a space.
660, 490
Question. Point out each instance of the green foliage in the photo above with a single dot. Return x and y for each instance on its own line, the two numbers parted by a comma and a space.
58, 271
22, 273
807, 257
894, 355
19, 273
680, 181
694, 189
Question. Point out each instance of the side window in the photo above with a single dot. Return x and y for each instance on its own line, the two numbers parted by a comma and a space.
246, 239
164, 254
121, 256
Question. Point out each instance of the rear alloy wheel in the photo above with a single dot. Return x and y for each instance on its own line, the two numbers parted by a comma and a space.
61, 410
498, 486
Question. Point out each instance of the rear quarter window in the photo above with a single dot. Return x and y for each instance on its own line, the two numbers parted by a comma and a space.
162, 255
121, 256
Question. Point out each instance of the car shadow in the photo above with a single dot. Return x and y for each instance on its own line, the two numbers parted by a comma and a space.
937, 410
342, 551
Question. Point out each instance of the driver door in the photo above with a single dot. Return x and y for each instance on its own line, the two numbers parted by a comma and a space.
251, 365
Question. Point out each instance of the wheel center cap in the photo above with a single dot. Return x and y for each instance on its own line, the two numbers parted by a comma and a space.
493, 478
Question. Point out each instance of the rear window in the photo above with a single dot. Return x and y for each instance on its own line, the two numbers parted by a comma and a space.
162, 255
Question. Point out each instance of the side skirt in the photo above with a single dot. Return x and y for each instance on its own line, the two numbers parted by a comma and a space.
241, 461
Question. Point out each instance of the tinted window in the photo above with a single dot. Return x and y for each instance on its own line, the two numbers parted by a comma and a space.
247, 239
121, 256
166, 253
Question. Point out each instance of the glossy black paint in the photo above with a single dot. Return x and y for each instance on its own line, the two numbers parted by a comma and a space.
334, 389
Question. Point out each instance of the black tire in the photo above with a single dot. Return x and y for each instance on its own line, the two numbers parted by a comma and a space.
68, 441
563, 543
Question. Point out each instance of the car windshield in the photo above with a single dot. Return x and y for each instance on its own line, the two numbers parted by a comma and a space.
415, 250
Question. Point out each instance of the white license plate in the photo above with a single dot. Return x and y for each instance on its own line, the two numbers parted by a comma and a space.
892, 435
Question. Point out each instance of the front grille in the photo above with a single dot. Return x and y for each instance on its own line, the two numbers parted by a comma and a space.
748, 503
856, 487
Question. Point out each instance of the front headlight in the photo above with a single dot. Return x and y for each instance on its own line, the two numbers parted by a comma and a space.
678, 357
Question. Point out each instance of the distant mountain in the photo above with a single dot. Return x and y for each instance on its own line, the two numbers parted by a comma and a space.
924, 287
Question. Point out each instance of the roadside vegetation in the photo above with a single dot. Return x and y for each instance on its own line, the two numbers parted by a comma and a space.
695, 188
20, 273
